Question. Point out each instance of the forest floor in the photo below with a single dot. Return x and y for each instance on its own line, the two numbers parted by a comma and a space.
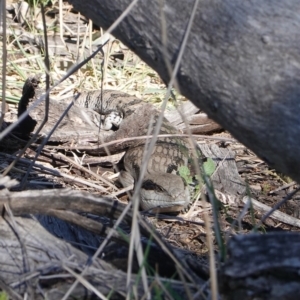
124, 71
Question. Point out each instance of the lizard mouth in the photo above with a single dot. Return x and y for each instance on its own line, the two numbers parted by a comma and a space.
166, 193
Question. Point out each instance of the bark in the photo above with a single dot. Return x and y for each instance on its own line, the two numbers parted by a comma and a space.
241, 64
262, 267
36, 262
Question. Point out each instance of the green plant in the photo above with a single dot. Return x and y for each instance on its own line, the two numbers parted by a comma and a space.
3, 296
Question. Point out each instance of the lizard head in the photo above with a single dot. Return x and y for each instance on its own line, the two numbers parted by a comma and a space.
164, 192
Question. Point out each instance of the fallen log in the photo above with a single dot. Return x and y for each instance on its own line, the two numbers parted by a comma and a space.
35, 262
262, 267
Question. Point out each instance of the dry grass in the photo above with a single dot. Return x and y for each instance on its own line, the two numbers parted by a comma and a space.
128, 74
117, 68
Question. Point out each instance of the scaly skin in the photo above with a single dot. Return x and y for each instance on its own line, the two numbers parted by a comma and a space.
162, 188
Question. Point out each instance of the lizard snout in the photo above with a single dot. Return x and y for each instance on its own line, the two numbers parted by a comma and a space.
164, 193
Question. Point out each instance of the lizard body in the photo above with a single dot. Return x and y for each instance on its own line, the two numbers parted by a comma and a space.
162, 186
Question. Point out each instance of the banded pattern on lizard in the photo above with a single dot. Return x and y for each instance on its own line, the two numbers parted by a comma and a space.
162, 187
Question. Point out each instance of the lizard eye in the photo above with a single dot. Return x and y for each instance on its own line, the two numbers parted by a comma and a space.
150, 185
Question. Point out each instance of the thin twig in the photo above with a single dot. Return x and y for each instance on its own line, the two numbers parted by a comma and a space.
273, 211
47, 100
4, 58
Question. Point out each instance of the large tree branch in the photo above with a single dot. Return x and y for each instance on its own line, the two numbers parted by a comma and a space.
241, 64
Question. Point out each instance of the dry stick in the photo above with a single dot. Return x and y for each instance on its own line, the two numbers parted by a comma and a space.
55, 172
172, 218
71, 71
200, 291
35, 104
61, 22
46, 140
29, 202
277, 215
142, 137
62, 116
183, 280
166, 249
289, 196
212, 258
213, 280
78, 33
212, 266
156, 132
85, 283
90, 27
104, 65
70, 177
25, 279
86, 161
25, 261
212, 262
122, 191
56, 203
83, 222
84, 182
112, 159
100, 249
70, 199
47, 65
81, 50
26, 161
8, 290
169, 67
213, 275
109, 30
81, 168
161, 286
4, 59
135, 241
283, 187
